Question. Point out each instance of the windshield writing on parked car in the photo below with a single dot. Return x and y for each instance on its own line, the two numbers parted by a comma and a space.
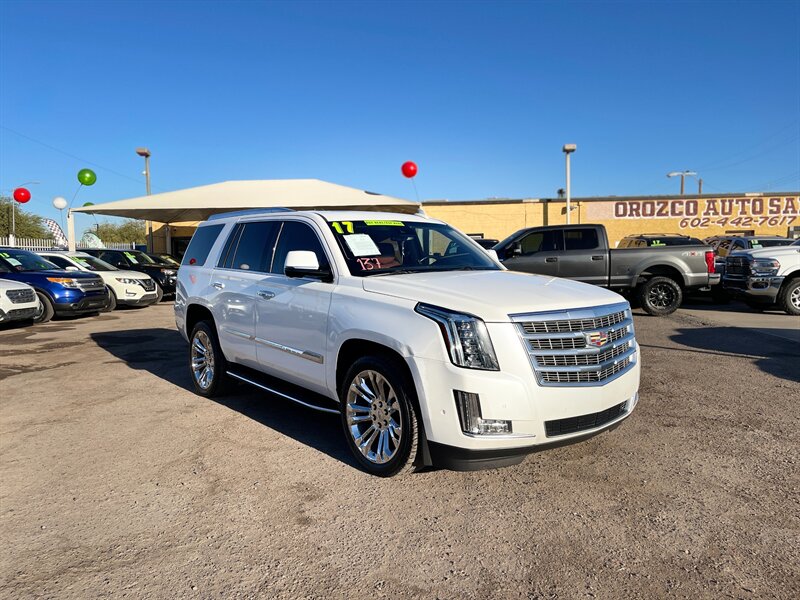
22, 260
93, 264
375, 247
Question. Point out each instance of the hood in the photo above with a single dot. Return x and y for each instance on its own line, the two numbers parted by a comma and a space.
128, 274
60, 273
772, 252
492, 295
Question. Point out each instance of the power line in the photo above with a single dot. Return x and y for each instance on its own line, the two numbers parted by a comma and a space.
65, 153
793, 125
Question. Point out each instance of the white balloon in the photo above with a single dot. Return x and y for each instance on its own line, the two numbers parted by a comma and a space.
60, 203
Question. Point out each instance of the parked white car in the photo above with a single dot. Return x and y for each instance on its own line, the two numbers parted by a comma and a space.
18, 301
428, 348
128, 288
765, 277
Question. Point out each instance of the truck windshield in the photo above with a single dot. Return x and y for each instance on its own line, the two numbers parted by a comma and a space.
385, 247
139, 258
762, 243
22, 260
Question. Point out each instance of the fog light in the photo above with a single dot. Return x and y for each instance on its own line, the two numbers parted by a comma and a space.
469, 414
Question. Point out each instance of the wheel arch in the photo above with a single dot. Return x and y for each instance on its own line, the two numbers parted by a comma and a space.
661, 270
196, 313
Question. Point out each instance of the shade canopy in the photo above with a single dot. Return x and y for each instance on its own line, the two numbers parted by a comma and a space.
199, 203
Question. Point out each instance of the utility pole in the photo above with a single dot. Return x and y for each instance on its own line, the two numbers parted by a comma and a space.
567, 150
146, 154
682, 175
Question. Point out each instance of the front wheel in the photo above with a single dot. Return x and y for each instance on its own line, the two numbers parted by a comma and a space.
45, 311
378, 415
112, 302
660, 296
206, 363
789, 297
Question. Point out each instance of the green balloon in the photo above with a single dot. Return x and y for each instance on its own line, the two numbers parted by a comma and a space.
88, 203
87, 177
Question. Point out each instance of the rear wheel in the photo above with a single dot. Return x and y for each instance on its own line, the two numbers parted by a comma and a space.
45, 311
789, 297
112, 301
660, 296
207, 365
378, 415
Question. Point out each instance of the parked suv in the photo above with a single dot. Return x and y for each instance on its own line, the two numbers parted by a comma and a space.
429, 350
766, 277
60, 292
18, 302
136, 260
655, 240
128, 288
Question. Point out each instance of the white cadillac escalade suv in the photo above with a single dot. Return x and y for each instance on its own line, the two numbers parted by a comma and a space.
429, 349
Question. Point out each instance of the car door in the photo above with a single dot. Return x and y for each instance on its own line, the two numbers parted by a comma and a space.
292, 313
583, 258
235, 282
541, 251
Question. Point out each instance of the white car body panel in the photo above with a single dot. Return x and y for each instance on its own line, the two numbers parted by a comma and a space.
12, 307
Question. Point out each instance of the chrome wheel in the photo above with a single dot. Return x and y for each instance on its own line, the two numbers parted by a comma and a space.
202, 360
662, 295
794, 298
373, 417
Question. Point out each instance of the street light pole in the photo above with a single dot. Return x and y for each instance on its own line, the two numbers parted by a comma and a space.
146, 154
567, 150
682, 175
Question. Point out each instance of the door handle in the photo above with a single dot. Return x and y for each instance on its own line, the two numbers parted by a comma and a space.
265, 294
218, 285
551, 259
598, 257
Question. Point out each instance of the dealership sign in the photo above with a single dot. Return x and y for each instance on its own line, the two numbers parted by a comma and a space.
705, 212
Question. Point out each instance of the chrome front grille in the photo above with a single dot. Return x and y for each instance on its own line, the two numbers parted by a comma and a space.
91, 285
588, 346
21, 296
148, 284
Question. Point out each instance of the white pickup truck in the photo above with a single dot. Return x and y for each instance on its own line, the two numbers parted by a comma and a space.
426, 346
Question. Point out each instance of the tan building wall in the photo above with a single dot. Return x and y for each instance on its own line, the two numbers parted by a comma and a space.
698, 216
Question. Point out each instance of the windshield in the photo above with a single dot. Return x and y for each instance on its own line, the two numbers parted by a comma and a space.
379, 247
139, 258
93, 264
22, 260
769, 243
165, 259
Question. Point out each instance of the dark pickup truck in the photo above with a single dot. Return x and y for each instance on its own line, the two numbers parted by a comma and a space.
658, 276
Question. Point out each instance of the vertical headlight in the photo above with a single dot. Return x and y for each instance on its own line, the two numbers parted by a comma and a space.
465, 336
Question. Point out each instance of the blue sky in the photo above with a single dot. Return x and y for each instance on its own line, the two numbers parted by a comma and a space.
481, 95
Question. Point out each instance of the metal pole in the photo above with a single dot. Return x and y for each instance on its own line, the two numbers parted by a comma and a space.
569, 207
13, 222
147, 184
683, 177
700, 187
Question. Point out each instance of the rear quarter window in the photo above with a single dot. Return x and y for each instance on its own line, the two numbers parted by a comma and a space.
201, 244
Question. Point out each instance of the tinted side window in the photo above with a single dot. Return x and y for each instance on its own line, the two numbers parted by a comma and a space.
541, 241
581, 239
113, 258
226, 256
254, 251
297, 236
202, 241
59, 261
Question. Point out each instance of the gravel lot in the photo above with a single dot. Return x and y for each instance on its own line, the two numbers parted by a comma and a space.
117, 481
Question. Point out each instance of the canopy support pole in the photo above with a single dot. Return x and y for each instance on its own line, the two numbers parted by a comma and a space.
70, 231
168, 238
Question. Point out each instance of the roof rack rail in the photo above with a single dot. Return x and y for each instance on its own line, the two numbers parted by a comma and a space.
248, 211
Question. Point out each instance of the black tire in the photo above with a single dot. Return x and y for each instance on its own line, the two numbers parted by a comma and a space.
660, 296
45, 311
390, 412
215, 382
112, 302
789, 297
159, 294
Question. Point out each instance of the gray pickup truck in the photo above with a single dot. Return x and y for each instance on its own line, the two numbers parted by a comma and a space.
658, 276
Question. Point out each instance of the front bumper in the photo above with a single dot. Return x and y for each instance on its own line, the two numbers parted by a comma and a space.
540, 415
17, 314
144, 300
87, 304
753, 288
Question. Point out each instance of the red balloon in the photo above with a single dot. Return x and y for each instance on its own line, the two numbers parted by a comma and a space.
22, 195
409, 169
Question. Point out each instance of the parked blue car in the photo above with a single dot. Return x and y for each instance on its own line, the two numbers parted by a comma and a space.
60, 292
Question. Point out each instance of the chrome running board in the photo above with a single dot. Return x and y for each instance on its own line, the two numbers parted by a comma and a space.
282, 394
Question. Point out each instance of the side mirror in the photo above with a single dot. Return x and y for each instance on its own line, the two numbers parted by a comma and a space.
304, 263
513, 250
71, 268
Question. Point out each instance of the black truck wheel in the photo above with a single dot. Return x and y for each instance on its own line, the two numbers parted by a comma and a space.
660, 296
789, 297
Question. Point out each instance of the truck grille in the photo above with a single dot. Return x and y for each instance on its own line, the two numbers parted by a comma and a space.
148, 284
91, 285
21, 296
737, 265
587, 346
